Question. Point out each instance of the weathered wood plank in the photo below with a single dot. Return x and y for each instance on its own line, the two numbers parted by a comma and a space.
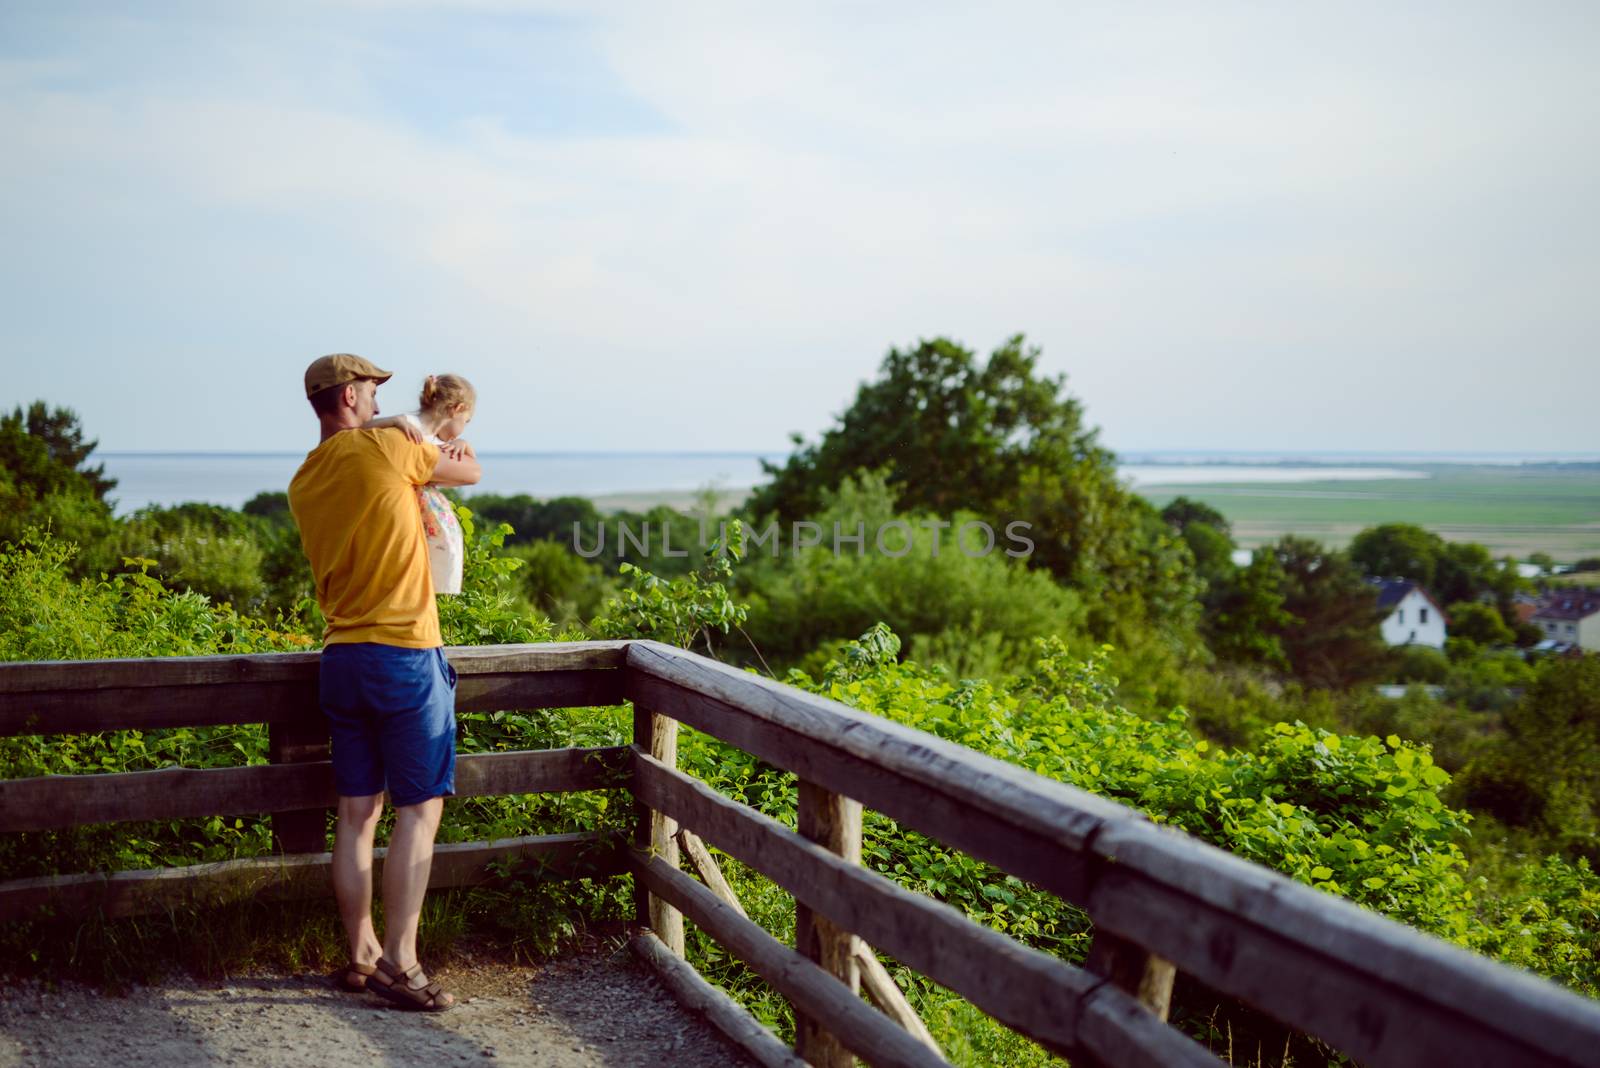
1034, 828
496, 691
890, 999
1028, 991
1118, 1032
1133, 968
259, 668
280, 687
53, 801
151, 708
833, 822
724, 1013
873, 1037
542, 771
295, 829
133, 893
654, 831
705, 866
1377, 990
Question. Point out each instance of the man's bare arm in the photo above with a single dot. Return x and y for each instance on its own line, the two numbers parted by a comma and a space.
462, 472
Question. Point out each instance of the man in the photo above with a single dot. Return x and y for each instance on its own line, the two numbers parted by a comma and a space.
386, 687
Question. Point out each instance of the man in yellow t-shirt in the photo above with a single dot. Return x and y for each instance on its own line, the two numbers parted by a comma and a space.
384, 683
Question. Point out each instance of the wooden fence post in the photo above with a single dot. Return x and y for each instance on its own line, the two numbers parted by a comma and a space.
833, 822
658, 736
1134, 969
302, 830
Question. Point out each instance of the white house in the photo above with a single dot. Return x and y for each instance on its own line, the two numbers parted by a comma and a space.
1413, 617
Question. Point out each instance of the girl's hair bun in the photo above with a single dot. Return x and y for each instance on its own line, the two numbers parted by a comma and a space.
447, 391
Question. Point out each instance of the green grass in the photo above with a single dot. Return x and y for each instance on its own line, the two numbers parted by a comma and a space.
1512, 510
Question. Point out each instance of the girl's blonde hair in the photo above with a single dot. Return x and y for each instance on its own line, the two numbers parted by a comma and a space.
447, 391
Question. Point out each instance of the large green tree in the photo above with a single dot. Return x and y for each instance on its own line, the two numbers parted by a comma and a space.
1544, 774
1331, 636
46, 480
999, 439
1453, 571
1398, 550
1242, 607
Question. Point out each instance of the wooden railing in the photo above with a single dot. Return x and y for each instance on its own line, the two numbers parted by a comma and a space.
1160, 902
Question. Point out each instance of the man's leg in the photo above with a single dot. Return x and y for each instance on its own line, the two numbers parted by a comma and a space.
405, 878
418, 739
352, 873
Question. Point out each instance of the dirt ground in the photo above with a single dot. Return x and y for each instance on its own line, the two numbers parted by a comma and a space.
597, 1009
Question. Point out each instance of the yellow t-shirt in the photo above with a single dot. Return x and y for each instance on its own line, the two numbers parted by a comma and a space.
355, 501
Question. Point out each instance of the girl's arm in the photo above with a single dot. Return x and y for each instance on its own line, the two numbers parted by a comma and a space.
400, 423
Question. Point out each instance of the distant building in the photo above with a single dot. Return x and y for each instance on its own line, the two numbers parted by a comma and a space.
1524, 605
1413, 618
1570, 615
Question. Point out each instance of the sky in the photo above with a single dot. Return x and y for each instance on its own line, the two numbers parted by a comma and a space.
645, 226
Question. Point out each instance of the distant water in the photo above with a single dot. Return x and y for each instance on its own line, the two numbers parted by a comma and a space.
1142, 475
233, 478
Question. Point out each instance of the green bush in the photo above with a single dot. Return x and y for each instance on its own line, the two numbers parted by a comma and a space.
1479, 623
559, 582
218, 556
977, 614
1421, 663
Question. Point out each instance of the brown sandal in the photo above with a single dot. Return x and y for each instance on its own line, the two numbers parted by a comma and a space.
360, 973
392, 983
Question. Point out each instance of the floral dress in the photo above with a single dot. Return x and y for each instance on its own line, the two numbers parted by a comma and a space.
446, 546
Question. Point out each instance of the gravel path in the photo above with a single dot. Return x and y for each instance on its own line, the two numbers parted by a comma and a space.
596, 1009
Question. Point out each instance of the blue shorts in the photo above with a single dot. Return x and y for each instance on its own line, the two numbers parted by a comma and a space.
392, 715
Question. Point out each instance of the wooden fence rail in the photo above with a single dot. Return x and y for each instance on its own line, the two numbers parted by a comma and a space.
1160, 902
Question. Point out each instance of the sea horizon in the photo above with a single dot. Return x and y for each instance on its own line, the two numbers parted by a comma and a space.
1209, 456
231, 478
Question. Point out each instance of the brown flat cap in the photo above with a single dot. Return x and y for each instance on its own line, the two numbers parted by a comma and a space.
326, 372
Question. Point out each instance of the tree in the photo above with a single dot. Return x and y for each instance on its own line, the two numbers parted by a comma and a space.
1242, 607
1478, 623
202, 548
1245, 616
1546, 774
1333, 639
1004, 442
45, 481
1184, 512
532, 519
1208, 535
1398, 550
1452, 571
1466, 571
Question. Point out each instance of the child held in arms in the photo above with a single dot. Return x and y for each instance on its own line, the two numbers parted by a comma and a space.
440, 419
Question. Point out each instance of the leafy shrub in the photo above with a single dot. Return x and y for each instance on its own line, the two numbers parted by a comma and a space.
487, 611
1421, 663
218, 556
559, 582
975, 613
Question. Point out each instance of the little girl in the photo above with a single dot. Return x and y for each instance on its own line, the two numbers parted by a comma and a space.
445, 410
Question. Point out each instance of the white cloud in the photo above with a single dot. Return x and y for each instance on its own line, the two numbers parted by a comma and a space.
1195, 213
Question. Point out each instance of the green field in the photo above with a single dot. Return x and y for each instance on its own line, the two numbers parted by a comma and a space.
1513, 510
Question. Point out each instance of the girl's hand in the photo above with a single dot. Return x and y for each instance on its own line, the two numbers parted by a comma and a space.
456, 449
405, 426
